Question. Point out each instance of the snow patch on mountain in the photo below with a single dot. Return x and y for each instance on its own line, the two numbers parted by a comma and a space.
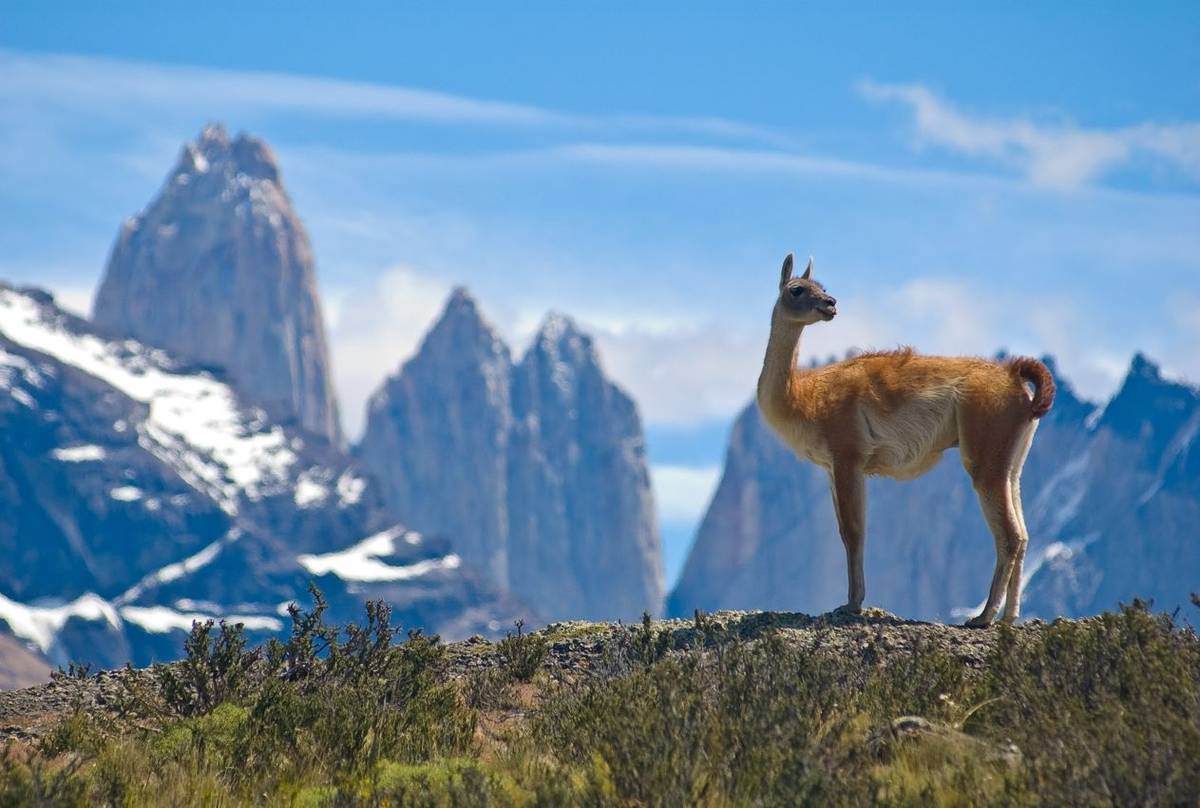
194, 423
162, 619
12, 366
350, 489
1054, 552
361, 562
178, 569
79, 454
1059, 500
126, 493
309, 490
41, 624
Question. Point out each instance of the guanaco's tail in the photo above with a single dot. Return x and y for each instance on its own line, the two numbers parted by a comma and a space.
1037, 374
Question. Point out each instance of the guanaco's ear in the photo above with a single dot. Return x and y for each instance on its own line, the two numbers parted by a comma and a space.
785, 274
808, 270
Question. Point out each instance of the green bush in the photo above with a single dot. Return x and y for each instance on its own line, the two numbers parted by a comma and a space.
214, 670
523, 654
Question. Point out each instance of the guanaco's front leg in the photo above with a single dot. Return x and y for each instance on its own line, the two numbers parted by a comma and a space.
850, 505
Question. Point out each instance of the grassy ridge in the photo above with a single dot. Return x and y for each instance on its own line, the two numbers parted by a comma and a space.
1104, 711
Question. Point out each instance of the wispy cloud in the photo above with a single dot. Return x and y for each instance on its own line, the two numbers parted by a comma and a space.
93, 82
712, 159
683, 375
111, 86
684, 372
1054, 155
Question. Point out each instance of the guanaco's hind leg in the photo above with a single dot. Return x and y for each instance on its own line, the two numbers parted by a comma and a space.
1012, 600
990, 451
850, 505
995, 499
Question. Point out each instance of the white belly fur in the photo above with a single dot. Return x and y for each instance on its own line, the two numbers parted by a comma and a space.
908, 442
902, 444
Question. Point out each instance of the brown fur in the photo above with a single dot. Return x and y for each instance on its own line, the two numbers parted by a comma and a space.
893, 414
1039, 376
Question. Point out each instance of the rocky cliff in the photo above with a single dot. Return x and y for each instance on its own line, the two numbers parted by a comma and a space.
218, 269
537, 468
1112, 502
139, 492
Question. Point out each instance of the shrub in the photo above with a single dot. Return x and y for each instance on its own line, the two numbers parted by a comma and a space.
523, 654
214, 670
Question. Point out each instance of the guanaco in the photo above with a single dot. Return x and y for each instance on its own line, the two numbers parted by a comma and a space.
893, 414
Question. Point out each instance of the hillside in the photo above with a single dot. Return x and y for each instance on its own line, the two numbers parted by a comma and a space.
733, 708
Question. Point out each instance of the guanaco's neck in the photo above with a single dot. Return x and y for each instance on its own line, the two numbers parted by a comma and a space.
779, 366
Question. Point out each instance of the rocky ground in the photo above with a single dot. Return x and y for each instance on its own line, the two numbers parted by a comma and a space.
580, 647
572, 650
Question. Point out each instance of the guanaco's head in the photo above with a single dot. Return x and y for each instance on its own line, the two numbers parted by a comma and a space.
803, 300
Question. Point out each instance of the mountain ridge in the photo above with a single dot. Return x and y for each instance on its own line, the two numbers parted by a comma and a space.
158, 497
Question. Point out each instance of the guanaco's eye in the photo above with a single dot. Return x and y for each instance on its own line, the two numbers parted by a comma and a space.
797, 291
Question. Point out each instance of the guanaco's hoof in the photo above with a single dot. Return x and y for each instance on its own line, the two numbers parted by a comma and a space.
848, 608
978, 622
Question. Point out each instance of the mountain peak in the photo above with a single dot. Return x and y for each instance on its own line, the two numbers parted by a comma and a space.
1149, 408
461, 303
538, 471
213, 134
1144, 368
561, 337
217, 268
461, 334
254, 158
557, 326
461, 312
213, 152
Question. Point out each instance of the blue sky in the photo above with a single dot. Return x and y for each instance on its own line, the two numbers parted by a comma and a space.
968, 178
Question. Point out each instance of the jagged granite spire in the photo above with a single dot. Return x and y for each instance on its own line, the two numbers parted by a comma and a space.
582, 529
218, 268
437, 436
536, 469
